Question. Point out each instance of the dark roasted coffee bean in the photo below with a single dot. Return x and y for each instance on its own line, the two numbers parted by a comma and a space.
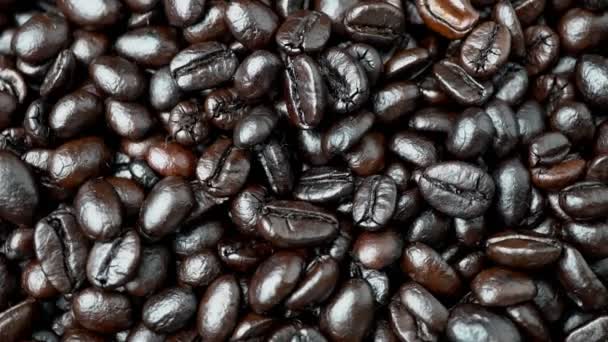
414, 148
128, 119
505, 126
502, 287
62, 249
317, 284
574, 120
244, 256
74, 113
203, 66
95, 14
246, 207
377, 249
374, 22
20, 197
457, 189
152, 46
324, 184
305, 91
274, 280
408, 63
485, 49
425, 266
151, 273
548, 149
452, 19
470, 135
223, 168
542, 48
553, 90
296, 224
511, 83
99, 210
588, 237
104, 312
394, 101
164, 93
117, 77
169, 310
60, 75
470, 321
225, 108
581, 284
211, 26
113, 263
40, 38
513, 187
218, 309
256, 127
304, 32
349, 314
199, 269
592, 78
345, 80
374, 202
522, 250
186, 123
558, 176
584, 200
461, 86
369, 58
256, 75
16, 322
251, 23
165, 207
275, 160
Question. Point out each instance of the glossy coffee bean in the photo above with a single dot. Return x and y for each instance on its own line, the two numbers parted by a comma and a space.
276, 162
542, 48
318, 282
345, 80
203, 66
305, 91
471, 134
251, 23
20, 197
573, 119
96, 14
468, 321
591, 79
223, 168
16, 322
475, 55
99, 210
304, 32
186, 124
117, 77
324, 184
423, 306
166, 206
348, 315
113, 263
59, 231
461, 86
502, 287
589, 237
378, 249
457, 189
394, 101
40, 38
104, 312
128, 119
414, 148
256, 127
169, 310
150, 46
523, 250
74, 113
513, 187
452, 19
218, 309
296, 224
199, 269
346, 132
581, 284
35, 282
374, 202
151, 272
425, 266
274, 280
255, 76
164, 93
246, 207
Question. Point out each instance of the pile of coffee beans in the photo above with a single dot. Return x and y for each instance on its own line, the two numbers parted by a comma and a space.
303, 170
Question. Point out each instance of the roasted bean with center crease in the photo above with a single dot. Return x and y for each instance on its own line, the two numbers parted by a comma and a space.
303, 170
296, 224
